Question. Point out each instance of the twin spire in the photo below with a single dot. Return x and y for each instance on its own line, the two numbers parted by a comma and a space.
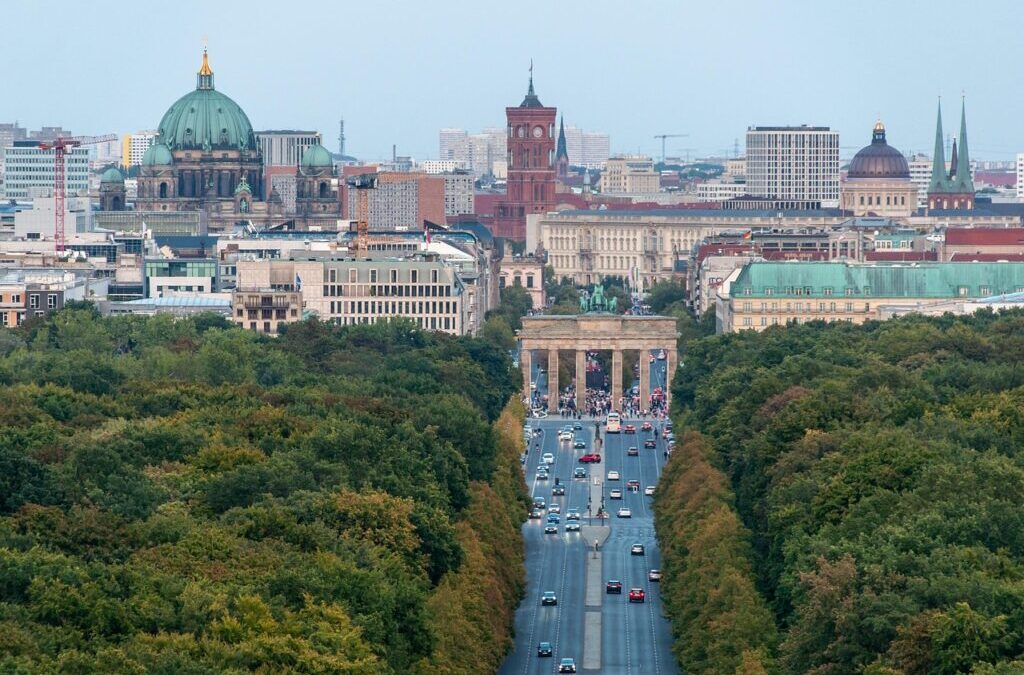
958, 179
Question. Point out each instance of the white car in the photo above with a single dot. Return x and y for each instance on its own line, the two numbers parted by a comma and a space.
572, 526
554, 508
565, 436
547, 458
649, 491
625, 513
613, 475
616, 493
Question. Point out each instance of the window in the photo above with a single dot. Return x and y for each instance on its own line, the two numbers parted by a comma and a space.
849, 307
747, 321
332, 276
352, 275
769, 290
373, 276
393, 274
985, 290
849, 291
747, 290
433, 276
746, 306
33, 301
962, 291
826, 291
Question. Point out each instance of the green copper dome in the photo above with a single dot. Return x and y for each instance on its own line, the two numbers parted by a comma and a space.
158, 154
315, 158
206, 119
112, 175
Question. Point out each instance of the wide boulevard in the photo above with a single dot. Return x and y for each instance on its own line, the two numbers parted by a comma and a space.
601, 632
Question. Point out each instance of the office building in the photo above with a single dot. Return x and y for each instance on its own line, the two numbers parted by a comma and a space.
435, 166
765, 294
165, 277
453, 146
587, 149
458, 193
134, 147
793, 167
347, 291
9, 132
878, 181
286, 147
719, 191
630, 174
401, 201
27, 166
476, 153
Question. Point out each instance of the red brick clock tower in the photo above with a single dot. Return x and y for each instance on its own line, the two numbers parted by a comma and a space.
531, 165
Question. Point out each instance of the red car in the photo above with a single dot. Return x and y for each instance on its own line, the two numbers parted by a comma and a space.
630, 428
592, 458
646, 426
636, 595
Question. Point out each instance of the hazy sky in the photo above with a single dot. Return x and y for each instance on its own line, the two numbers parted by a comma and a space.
398, 71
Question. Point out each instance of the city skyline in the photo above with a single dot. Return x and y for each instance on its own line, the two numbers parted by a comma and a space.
709, 72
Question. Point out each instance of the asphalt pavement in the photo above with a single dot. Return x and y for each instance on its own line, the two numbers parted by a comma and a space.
634, 638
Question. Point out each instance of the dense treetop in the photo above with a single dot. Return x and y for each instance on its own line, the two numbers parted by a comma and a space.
877, 473
179, 496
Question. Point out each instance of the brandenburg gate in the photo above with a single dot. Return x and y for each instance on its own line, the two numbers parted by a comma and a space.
596, 332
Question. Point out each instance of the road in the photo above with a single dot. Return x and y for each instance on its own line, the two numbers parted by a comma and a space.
635, 638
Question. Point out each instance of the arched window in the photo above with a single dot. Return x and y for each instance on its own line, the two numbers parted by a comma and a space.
323, 190
163, 190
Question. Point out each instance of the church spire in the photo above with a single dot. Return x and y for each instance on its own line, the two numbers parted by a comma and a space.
204, 79
531, 100
562, 151
962, 177
938, 181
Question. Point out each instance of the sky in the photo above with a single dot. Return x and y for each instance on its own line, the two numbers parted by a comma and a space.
398, 71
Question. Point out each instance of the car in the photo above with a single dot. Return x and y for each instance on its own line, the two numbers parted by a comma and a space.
549, 598
613, 475
579, 472
636, 549
548, 458
615, 493
538, 503
565, 436
649, 491
554, 508
553, 518
654, 575
536, 514
625, 513
544, 649
572, 514
650, 443
542, 474
668, 425
572, 526
632, 452
578, 426
629, 429
567, 666
665, 432
591, 458
636, 595
613, 586
633, 484
646, 426
579, 445
558, 491
550, 528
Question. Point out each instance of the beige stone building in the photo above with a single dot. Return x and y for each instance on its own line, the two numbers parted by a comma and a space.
265, 309
526, 272
878, 181
347, 291
765, 294
630, 174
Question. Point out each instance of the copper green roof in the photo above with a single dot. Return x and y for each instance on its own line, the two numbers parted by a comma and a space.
206, 119
838, 280
158, 154
112, 175
316, 157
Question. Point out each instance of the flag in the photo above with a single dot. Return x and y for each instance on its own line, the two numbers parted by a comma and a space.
748, 234
426, 233
298, 282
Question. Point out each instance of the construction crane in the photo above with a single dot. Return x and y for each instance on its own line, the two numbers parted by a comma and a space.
362, 184
60, 148
663, 137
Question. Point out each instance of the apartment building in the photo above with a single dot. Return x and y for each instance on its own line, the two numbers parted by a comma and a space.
630, 174
265, 310
25, 294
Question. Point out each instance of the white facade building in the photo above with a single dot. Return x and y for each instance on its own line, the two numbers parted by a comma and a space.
285, 147
135, 146
718, 191
435, 166
589, 149
797, 167
453, 145
630, 174
475, 152
458, 193
26, 167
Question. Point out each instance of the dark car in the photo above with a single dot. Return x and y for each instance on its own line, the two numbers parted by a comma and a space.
579, 445
558, 491
567, 666
632, 452
579, 472
536, 514
650, 443
613, 586
550, 529
544, 649
577, 426
630, 429
549, 598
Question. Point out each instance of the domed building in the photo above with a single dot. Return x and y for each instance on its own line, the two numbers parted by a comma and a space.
878, 181
112, 190
206, 157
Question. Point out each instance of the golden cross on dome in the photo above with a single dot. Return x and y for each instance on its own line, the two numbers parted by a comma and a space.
205, 69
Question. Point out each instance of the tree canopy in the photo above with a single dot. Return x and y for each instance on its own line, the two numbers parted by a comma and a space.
866, 486
178, 496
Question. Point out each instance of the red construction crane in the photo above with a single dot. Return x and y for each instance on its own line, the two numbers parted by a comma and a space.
362, 184
60, 147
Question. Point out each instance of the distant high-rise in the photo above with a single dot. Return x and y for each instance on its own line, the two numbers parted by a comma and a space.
793, 167
589, 149
134, 146
531, 165
475, 152
9, 132
27, 166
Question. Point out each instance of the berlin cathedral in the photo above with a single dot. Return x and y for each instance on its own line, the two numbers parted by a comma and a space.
206, 158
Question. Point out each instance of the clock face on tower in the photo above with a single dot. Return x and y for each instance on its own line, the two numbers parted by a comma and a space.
538, 132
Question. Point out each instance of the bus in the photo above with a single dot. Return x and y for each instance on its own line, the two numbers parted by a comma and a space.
612, 424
